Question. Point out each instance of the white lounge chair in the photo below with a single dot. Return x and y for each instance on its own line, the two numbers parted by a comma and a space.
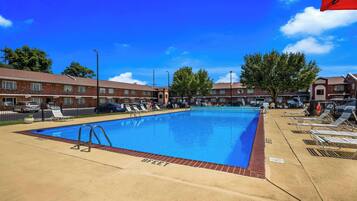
143, 108
342, 120
334, 133
57, 115
157, 107
326, 115
335, 141
136, 109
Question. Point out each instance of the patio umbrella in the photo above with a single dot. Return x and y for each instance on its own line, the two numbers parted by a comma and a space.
338, 5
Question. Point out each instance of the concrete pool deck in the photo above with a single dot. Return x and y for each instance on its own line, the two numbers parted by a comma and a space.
33, 168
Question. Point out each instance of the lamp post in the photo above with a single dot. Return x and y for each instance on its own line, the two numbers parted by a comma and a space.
168, 79
97, 54
231, 85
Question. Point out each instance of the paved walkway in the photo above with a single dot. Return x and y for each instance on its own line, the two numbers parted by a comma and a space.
36, 169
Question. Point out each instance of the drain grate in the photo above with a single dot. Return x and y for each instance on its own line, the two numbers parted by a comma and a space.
312, 152
268, 141
331, 153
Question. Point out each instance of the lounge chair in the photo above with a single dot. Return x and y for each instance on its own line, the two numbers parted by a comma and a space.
143, 108
157, 107
335, 141
136, 109
326, 115
305, 112
334, 133
341, 121
57, 115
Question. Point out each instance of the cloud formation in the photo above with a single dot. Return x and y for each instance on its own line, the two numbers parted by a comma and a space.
314, 22
310, 45
227, 78
170, 50
126, 78
5, 22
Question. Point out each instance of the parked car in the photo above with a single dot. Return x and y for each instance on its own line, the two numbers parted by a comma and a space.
26, 106
295, 103
109, 107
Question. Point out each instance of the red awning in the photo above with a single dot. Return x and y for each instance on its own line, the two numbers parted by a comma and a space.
338, 5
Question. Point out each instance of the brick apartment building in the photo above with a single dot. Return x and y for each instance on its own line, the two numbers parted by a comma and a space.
334, 88
222, 94
67, 91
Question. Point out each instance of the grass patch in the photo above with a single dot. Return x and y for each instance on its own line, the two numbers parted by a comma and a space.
7, 123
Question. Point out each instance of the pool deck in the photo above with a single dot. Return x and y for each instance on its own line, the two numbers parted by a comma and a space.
33, 168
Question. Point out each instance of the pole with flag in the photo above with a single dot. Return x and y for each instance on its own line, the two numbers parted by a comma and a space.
338, 5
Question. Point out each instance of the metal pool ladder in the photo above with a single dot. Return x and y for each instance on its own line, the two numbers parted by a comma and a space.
91, 134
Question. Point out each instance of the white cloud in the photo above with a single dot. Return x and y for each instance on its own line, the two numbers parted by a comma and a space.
288, 1
29, 21
310, 45
126, 78
170, 50
122, 45
227, 78
314, 22
5, 22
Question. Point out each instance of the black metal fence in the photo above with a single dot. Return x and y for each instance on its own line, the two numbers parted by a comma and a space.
46, 114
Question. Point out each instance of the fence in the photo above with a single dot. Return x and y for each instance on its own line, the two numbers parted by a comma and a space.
10, 115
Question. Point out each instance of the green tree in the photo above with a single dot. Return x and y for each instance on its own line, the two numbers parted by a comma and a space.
278, 73
26, 58
186, 83
75, 69
204, 83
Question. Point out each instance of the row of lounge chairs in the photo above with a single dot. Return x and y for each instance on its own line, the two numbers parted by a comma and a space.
332, 133
142, 108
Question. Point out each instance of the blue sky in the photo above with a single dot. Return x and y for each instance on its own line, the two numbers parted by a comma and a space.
136, 36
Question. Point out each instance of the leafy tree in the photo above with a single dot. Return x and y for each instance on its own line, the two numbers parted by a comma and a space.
26, 58
75, 69
204, 82
187, 83
184, 83
278, 73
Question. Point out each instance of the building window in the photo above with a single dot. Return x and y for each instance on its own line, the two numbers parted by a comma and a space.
250, 91
213, 100
110, 100
213, 92
133, 92
160, 96
9, 85
81, 89
102, 90
36, 86
37, 100
110, 91
146, 93
102, 100
339, 88
222, 92
68, 88
8, 101
320, 92
222, 100
240, 91
67, 101
81, 101
126, 92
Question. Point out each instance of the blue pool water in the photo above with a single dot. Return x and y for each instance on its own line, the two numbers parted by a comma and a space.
218, 135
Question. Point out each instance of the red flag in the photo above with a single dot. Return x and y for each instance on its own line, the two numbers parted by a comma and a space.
339, 5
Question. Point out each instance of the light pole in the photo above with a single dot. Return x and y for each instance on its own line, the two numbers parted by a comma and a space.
231, 85
168, 79
97, 54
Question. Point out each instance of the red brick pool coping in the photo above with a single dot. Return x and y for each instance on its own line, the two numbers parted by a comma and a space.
256, 166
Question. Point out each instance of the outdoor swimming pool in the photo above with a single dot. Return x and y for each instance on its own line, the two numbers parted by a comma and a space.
216, 135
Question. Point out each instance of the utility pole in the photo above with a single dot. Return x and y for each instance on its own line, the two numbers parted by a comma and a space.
97, 54
168, 79
231, 85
